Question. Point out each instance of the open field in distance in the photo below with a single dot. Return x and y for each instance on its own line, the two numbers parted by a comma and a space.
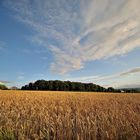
44, 115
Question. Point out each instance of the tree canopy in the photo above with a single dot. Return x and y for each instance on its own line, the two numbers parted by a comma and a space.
57, 85
3, 87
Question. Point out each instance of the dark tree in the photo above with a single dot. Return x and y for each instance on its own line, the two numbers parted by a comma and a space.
3, 87
58, 85
110, 89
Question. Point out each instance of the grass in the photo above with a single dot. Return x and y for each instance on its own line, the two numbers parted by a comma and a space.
40, 115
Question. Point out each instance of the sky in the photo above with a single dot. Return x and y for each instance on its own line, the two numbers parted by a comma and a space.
93, 41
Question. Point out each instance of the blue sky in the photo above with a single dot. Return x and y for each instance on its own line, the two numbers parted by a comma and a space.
79, 40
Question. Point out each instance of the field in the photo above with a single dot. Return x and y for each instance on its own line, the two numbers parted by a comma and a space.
36, 115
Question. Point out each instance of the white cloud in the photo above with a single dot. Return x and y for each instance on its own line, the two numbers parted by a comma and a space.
78, 31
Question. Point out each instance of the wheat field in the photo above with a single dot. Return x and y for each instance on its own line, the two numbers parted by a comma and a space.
40, 115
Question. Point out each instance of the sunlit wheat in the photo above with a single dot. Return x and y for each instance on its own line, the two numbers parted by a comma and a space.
36, 115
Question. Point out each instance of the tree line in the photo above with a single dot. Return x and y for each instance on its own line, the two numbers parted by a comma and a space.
57, 85
3, 87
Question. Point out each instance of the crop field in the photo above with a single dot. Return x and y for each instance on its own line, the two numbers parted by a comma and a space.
44, 115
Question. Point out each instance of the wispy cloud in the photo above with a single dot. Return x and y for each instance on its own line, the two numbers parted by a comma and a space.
79, 31
4, 82
132, 71
44, 58
20, 76
110, 80
93, 78
26, 51
129, 86
2, 46
84, 79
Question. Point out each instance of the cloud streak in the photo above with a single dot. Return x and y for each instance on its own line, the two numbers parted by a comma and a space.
129, 86
132, 71
4, 82
80, 31
2, 46
114, 78
20, 76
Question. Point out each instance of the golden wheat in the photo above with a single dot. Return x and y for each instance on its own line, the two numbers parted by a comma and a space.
38, 115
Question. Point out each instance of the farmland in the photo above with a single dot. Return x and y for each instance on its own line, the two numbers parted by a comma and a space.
44, 115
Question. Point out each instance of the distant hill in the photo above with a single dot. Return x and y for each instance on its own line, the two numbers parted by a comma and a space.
57, 85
